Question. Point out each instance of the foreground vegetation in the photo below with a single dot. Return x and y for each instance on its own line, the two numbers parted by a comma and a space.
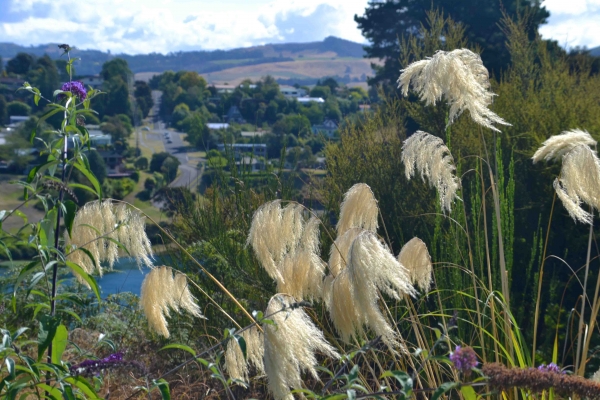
490, 316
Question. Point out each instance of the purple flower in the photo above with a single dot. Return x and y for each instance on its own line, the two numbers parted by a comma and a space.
74, 87
464, 359
113, 361
550, 368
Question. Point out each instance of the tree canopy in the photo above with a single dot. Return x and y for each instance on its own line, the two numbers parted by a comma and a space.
386, 22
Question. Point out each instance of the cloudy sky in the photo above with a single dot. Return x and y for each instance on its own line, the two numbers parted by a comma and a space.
143, 26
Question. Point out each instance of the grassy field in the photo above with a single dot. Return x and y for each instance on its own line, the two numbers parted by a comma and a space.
313, 67
10, 198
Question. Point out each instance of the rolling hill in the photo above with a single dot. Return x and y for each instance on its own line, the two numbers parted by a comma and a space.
299, 61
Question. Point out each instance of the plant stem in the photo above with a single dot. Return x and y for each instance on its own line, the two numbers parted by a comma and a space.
540, 279
61, 195
579, 356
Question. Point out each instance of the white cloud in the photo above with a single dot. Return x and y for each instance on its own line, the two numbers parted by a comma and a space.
573, 23
142, 26
138, 26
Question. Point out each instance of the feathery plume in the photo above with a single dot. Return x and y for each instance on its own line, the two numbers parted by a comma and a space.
97, 226
302, 269
288, 248
557, 146
352, 296
290, 346
579, 182
460, 77
415, 258
429, 155
358, 210
338, 256
161, 292
596, 377
235, 363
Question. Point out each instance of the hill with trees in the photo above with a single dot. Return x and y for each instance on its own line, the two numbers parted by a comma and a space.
198, 61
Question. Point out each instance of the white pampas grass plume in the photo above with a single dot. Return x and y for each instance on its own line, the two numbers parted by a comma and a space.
579, 182
557, 146
235, 363
460, 77
429, 155
288, 248
352, 296
290, 346
302, 269
596, 376
97, 226
161, 292
415, 258
338, 256
358, 210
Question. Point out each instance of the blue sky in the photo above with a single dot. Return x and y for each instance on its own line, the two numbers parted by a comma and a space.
162, 26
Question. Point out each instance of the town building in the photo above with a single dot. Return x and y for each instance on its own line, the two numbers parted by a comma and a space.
95, 81
240, 149
305, 100
215, 126
327, 128
234, 116
292, 92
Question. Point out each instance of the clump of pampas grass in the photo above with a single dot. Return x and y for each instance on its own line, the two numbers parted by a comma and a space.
414, 256
579, 180
235, 363
288, 247
352, 296
429, 155
97, 227
161, 292
338, 257
290, 346
460, 77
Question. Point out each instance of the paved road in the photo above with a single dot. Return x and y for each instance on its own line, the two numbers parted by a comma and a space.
174, 145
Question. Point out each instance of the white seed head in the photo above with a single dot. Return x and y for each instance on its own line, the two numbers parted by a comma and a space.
415, 258
358, 210
290, 347
460, 77
160, 293
338, 254
352, 296
429, 155
235, 364
557, 146
579, 182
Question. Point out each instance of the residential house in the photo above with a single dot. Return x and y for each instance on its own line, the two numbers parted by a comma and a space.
15, 120
292, 92
253, 164
115, 167
215, 126
10, 83
222, 89
305, 100
234, 116
239, 149
258, 133
327, 128
95, 81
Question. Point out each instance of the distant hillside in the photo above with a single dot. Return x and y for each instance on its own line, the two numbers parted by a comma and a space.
595, 51
200, 61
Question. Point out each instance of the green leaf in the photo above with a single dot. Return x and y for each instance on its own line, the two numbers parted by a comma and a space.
70, 211
242, 343
83, 385
23, 274
86, 277
180, 347
468, 393
444, 387
84, 187
88, 174
48, 326
67, 392
403, 379
163, 386
59, 343
48, 224
52, 392
10, 367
